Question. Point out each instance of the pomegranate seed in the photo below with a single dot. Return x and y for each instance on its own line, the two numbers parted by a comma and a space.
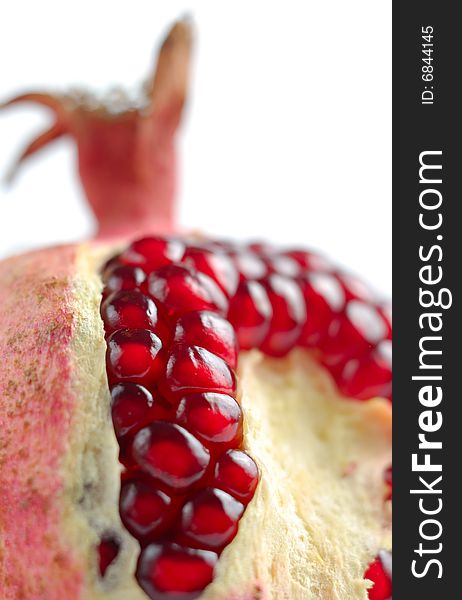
289, 314
217, 265
380, 576
152, 253
237, 474
249, 265
144, 510
167, 571
133, 407
262, 248
370, 375
283, 265
310, 261
122, 277
134, 355
210, 519
213, 418
170, 454
386, 311
355, 288
108, 549
324, 298
250, 314
210, 331
133, 310
180, 289
388, 482
194, 369
108, 266
353, 333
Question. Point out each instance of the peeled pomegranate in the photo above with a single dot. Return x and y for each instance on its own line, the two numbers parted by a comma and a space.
184, 417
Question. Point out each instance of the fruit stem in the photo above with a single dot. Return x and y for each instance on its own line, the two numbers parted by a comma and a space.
126, 155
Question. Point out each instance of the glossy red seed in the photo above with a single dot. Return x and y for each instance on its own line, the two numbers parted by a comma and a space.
108, 549
217, 265
310, 261
133, 310
289, 315
133, 407
262, 248
210, 331
180, 289
385, 310
381, 579
134, 355
145, 510
250, 314
121, 277
170, 454
152, 253
249, 265
283, 265
237, 474
213, 418
355, 288
388, 482
193, 369
221, 245
210, 519
354, 333
370, 375
324, 299
169, 571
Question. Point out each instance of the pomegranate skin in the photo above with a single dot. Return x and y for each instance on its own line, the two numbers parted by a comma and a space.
37, 406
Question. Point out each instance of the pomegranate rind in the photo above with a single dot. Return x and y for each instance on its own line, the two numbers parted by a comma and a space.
37, 409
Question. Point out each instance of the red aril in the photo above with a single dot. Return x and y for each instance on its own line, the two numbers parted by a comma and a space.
217, 265
209, 520
194, 369
170, 454
133, 407
370, 375
144, 509
180, 289
353, 333
237, 474
250, 314
172, 572
108, 550
249, 265
134, 355
210, 331
283, 265
213, 418
152, 253
122, 277
381, 579
309, 261
324, 299
289, 315
132, 310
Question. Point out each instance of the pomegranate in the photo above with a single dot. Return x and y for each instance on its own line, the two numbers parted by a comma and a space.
185, 417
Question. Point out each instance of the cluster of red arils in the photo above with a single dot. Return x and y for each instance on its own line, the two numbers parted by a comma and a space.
176, 316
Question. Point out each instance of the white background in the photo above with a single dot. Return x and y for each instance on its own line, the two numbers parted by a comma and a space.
287, 136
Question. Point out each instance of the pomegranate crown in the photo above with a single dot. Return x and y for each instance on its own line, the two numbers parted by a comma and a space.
126, 151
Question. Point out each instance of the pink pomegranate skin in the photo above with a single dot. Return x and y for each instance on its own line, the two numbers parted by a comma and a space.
37, 408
